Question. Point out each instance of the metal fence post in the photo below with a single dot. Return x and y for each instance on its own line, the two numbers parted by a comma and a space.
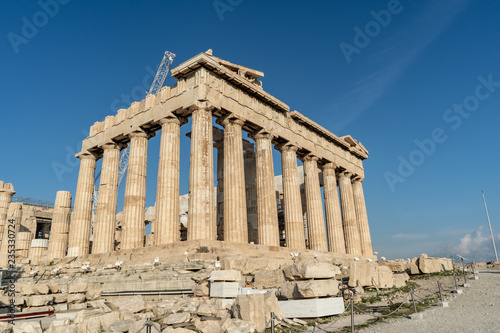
413, 300
352, 316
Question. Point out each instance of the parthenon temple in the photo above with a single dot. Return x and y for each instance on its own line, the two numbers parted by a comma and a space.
243, 208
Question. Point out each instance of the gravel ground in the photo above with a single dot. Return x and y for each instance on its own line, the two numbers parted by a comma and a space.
476, 310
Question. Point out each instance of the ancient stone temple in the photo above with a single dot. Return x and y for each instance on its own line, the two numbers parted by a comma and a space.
208, 87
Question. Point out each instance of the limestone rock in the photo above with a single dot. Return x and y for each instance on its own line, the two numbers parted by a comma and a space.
60, 298
385, 277
225, 275
39, 300
77, 288
93, 294
85, 315
27, 327
206, 310
250, 308
121, 326
108, 319
77, 306
414, 270
269, 279
201, 290
54, 287
100, 305
271, 305
41, 289
208, 326
76, 298
362, 273
395, 266
310, 289
134, 304
304, 271
176, 318
27, 289
170, 329
5, 327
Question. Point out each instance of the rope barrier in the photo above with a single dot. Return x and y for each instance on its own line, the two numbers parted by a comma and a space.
383, 316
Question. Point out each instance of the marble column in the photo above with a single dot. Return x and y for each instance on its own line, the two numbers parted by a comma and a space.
81, 218
235, 207
351, 230
315, 218
134, 207
334, 228
267, 210
6, 193
58, 240
167, 225
294, 221
105, 219
8, 247
219, 145
362, 217
201, 211
251, 192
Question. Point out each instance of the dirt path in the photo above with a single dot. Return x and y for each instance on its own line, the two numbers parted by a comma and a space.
476, 310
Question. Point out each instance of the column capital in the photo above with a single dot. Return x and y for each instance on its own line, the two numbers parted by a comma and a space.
357, 178
111, 145
345, 174
289, 147
205, 105
261, 135
173, 119
140, 133
330, 166
86, 156
231, 119
311, 157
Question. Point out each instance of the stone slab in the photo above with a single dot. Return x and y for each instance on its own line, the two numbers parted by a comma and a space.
442, 304
251, 291
312, 308
225, 275
457, 291
417, 316
224, 289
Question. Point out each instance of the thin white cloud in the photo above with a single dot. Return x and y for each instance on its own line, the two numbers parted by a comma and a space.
410, 236
393, 56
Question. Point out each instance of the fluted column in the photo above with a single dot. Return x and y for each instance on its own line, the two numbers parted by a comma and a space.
267, 210
6, 193
8, 247
81, 218
58, 240
219, 145
362, 217
251, 192
105, 219
235, 207
334, 228
134, 208
201, 213
294, 222
167, 225
351, 230
315, 219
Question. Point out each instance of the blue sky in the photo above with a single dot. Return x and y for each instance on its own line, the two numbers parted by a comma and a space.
417, 82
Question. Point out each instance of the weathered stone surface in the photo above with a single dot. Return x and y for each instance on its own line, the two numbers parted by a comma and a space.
27, 327
27, 289
271, 305
362, 273
304, 271
121, 326
177, 318
312, 308
310, 289
60, 298
414, 270
41, 289
134, 304
251, 308
77, 306
433, 265
5, 327
93, 294
77, 288
208, 326
224, 289
399, 280
76, 298
39, 300
206, 310
100, 305
269, 279
170, 329
225, 275
201, 289
385, 277
108, 319
395, 266
54, 287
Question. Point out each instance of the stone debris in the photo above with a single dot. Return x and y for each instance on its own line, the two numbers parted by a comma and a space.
304, 271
